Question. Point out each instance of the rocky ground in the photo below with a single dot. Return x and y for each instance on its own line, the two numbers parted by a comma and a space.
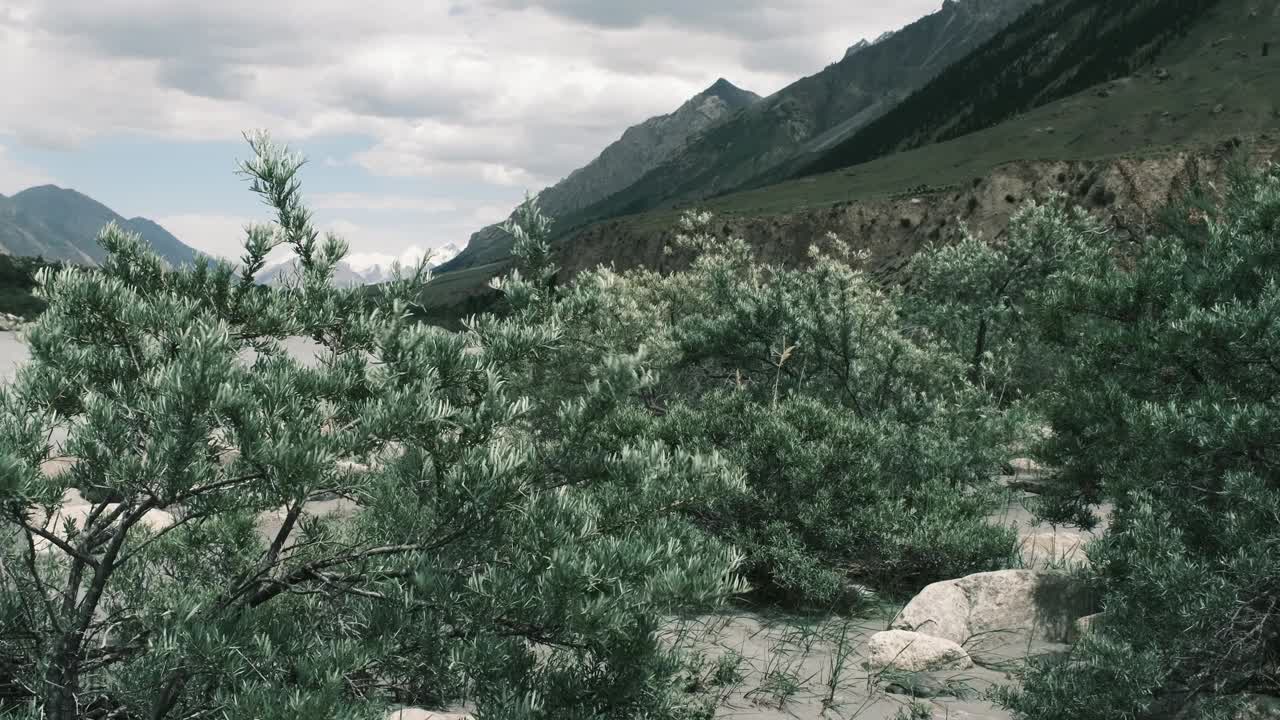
935, 657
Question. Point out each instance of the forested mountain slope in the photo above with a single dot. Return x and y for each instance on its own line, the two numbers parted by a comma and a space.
1061, 49
814, 112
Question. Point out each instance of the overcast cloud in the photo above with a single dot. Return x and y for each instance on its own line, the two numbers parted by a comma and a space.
445, 111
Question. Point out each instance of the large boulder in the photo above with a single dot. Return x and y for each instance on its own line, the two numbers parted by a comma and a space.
915, 652
998, 607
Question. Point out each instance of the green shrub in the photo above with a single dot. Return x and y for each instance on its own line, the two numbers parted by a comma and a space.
864, 450
975, 294
1165, 403
499, 555
832, 496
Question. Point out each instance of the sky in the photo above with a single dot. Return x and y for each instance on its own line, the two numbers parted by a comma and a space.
422, 121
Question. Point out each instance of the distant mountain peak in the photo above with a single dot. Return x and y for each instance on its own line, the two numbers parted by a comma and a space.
60, 223
641, 148
721, 85
728, 92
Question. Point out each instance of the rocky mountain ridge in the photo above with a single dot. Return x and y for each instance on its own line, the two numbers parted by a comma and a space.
1124, 190
812, 113
639, 149
1063, 48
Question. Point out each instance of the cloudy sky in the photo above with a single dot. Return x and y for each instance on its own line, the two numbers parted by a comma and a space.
423, 120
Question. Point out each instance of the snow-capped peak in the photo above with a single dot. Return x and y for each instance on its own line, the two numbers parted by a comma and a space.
369, 268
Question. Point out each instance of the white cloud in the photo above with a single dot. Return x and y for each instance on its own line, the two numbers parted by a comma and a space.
367, 201
508, 91
16, 176
220, 235
506, 95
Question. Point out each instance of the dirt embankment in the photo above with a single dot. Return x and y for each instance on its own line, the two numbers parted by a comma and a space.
1125, 191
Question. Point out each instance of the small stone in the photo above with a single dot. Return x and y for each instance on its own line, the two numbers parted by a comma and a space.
915, 652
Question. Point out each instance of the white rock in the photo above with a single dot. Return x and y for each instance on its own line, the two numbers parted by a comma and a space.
995, 607
915, 652
1025, 466
940, 610
53, 467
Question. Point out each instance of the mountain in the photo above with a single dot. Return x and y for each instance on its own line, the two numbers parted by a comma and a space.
812, 113
1114, 146
864, 43
362, 268
61, 224
641, 148
1059, 50
377, 268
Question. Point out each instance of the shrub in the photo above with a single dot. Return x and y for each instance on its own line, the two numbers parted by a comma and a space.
17, 283
497, 554
865, 452
975, 294
1165, 404
832, 496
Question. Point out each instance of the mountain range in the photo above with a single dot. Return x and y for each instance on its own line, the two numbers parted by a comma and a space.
1062, 48
807, 116
1092, 97
61, 224
641, 148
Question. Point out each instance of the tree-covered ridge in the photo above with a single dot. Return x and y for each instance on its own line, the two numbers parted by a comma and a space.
18, 283
1055, 51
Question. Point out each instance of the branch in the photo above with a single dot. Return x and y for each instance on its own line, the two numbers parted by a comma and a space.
161, 533
211, 487
309, 570
59, 542
41, 587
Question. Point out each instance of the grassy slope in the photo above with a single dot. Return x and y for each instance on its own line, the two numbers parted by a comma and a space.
1205, 71
1086, 125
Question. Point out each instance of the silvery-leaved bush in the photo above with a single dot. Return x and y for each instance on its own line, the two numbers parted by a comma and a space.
244, 535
